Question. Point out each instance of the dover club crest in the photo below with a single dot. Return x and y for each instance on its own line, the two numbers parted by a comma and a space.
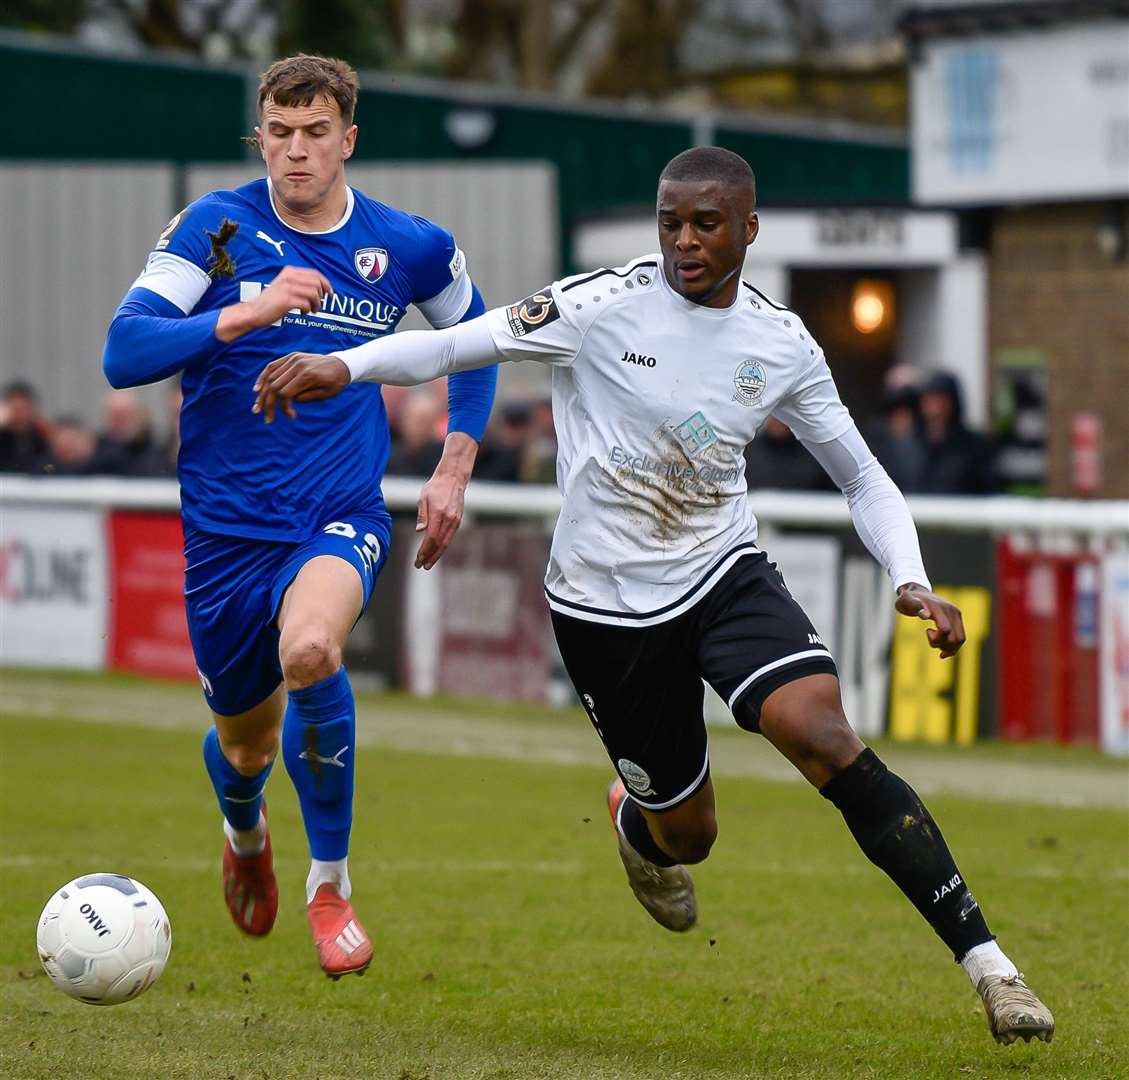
749, 382
370, 263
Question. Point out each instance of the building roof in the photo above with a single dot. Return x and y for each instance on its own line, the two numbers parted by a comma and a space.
926, 19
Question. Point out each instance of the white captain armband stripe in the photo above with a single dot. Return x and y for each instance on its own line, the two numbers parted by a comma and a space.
449, 305
176, 279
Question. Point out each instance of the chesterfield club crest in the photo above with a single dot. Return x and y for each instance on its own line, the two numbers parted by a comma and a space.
370, 262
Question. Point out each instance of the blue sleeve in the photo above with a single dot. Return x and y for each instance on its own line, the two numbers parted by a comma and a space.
432, 264
470, 394
150, 339
186, 235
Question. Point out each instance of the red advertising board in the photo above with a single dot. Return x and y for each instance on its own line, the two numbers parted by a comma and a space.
1049, 638
148, 628
494, 629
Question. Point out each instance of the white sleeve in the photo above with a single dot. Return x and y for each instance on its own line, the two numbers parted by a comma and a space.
450, 304
418, 356
176, 279
812, 407
540, 327
878, 510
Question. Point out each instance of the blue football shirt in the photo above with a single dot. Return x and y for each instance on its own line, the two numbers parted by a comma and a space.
283, 481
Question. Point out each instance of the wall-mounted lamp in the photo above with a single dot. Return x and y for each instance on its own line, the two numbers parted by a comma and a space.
469, 129
872, 305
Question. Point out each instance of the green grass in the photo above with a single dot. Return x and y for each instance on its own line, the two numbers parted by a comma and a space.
508, 945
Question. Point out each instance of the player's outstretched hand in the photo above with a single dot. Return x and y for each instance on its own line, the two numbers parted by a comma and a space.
440, 510
298, 377
917, 600
438, 516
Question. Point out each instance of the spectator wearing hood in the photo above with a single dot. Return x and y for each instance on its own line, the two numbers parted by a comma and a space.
895, 436
958, 460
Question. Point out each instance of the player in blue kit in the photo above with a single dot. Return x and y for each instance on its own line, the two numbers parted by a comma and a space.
285, 526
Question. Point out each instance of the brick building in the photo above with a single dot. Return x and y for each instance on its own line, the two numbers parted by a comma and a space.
1021, 123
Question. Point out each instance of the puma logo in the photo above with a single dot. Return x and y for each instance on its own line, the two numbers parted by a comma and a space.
309, 755
276, 244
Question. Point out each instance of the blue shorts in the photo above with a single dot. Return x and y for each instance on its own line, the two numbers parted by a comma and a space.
232, 591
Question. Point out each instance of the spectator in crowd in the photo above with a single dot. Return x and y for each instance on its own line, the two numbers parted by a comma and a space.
126, 446
420, 445
540, 462
170, 446
394, 398
895, 437
776, 459
71, 448
500, 457
958, 460
23, 429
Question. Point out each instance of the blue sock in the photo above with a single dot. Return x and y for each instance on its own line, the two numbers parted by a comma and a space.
240, 797
318, 745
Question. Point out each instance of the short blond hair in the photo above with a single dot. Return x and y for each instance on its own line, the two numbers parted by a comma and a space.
304, 79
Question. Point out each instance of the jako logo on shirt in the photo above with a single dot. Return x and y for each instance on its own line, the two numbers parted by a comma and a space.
371, 263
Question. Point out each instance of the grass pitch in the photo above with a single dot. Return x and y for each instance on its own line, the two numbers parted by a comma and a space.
507, 943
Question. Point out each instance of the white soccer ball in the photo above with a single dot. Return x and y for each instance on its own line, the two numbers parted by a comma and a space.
103, 938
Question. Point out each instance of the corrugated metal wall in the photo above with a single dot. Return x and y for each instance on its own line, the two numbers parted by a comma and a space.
73, 238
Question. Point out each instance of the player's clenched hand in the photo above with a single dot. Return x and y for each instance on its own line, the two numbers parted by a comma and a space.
295, 288
917, 600
298, 377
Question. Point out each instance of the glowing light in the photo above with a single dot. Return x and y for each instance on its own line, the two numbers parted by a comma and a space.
872, 304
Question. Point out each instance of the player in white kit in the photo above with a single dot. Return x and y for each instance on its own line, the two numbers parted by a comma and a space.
663, 371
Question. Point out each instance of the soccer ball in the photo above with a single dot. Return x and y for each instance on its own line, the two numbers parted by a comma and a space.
103, 938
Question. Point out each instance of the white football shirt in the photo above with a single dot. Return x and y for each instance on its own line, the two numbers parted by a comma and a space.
655, 399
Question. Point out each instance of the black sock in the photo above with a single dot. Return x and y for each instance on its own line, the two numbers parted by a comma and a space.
634, 827
899, 836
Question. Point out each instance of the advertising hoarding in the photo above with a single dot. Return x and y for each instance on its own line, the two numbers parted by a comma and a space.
52, 587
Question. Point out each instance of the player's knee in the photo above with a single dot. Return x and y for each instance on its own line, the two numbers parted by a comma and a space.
830, 740
691, 845
250, 760
308, 658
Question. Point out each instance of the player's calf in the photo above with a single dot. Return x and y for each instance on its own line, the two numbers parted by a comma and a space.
686, 843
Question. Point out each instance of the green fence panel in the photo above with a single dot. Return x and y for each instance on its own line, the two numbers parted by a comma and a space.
77, 106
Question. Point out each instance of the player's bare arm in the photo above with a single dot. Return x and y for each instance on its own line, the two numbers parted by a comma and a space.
298, 377
948, 636
295, 289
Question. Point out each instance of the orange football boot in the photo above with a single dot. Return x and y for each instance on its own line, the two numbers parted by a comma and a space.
343, 946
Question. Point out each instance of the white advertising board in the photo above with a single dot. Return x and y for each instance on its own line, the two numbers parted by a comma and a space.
1042, 114
1114, 640
53, 597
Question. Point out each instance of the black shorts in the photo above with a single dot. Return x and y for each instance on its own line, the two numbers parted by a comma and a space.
642, 688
